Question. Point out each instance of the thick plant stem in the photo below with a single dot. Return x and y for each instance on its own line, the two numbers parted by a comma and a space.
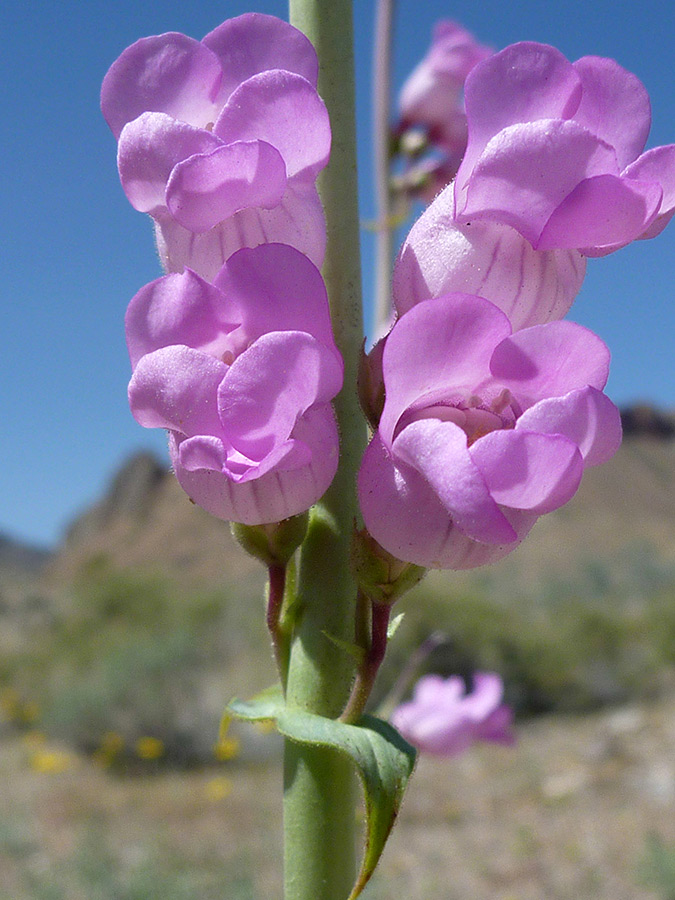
319, 794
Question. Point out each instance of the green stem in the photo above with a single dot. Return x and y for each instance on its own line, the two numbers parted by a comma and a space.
319, 792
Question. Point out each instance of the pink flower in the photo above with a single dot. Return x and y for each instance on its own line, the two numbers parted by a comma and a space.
440, 256
555, 152
241, 372
221, 140
483, 431
431, 97
443, 719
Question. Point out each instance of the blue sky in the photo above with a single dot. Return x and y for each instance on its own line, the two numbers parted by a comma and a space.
74, 252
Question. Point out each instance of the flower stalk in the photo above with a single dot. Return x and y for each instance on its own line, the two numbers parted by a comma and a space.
377, 647
319, 790
276, 589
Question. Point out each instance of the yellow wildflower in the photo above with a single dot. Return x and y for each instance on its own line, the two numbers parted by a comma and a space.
149, 748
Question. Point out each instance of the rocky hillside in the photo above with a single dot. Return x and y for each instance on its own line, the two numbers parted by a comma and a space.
621, 522
19, 561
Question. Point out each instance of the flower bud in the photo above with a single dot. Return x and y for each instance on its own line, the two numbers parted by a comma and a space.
273, 544
370, 383
381, 577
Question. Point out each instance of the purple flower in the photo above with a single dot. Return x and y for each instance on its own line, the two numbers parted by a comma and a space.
440, 256
555, 151
445, 720
241, 372
221, 140
431, 97
483, 431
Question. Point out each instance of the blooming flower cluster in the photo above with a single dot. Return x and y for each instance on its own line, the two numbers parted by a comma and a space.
444, 720
491, 407
502, 394
221, 140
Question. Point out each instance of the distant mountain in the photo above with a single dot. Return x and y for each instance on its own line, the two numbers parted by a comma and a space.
623, 517
20, 561
596, 575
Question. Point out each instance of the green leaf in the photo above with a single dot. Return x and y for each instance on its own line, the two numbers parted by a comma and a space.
393, 625
357, 653
265, 706
384, 762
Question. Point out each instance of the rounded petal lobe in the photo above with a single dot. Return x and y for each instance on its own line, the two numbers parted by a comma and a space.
271, 385
176, 388
403, 513
254, 43
527, 170
530, 471
207, 188
202, 452
278, 493
176, 309
148, 150
614, 106
586, 416
438, 351
523, 83
285, 110
169, 73
602, 212
487, 694
438, 451
657, 164
440, 256
274, 287
549, 361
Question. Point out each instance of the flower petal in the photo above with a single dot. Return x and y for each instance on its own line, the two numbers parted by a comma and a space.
271, 385
277, 494
440, 256
253, 43
298, 220
602, 212
439, 351
169, 73
202, 452
614, 106
657, 164
274, 287
285, 110
527, 170
438, 451
549, 361
176, 309
522, 83
403, 513
176, 388
486, 696
586, 416
149, 148
285, 456
209, 187
526, 470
